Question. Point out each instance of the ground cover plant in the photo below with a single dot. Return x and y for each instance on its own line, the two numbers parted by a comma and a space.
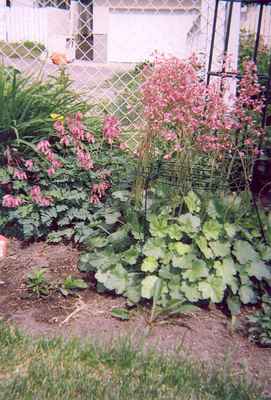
42, 368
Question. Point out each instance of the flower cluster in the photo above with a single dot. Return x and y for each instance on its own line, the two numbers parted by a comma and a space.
98, 191
44, 148
38, 198
11, 201
111, 129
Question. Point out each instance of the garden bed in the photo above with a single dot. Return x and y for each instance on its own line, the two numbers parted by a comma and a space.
206, 336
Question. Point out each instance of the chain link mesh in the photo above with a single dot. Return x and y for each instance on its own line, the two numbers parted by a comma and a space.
106, 42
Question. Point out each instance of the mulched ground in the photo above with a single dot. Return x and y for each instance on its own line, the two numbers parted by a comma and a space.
205, 336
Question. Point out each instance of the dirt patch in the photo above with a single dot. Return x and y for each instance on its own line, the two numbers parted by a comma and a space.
206, 336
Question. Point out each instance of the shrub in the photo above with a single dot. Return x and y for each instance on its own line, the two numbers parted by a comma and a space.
259, 324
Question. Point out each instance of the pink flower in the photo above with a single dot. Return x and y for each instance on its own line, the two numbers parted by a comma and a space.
94, 199
43, 146
123, 146
98, 191
167, 156
51, 171
21, 175
59, 126
111, 129
11, 201
38, 198
84, 159
29, 164
90, 137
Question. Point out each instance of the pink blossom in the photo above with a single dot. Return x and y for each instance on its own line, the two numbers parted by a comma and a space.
38, 198
90, 137
111, 129
84, 159
123, 146
51, 171
94, 199
168, 156
11, 201
21, 175
43, 146
29, 164
59, 127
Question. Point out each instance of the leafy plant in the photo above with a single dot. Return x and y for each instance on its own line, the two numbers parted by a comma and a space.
259, 324
71, 285
37, 283
213, 253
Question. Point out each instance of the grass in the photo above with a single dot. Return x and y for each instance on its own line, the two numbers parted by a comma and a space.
23, 50
58, 369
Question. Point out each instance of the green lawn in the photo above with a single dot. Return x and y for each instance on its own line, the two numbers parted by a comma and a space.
55, 369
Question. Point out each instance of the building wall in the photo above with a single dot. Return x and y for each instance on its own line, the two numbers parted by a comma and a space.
101, 13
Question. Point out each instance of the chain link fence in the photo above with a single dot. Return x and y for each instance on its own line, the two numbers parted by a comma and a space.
106, 42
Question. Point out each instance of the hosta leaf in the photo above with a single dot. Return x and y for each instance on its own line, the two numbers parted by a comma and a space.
211, 210
204, 248
247, 294
192, 202
95, 261
230, 229
260, 270
133, 293
212, 229
191, 292
158, 226
265, 252
131, 255
226, 270
149, 264
213, 289
120, 313
180, 248
220, 249
244, 252
155, 247
148, 285
174, 232
197, 271
166, 274
189, 223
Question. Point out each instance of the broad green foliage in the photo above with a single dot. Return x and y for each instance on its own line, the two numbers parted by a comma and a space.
192, 256
259, 324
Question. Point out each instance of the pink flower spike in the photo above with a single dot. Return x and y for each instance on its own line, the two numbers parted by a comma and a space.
123, 146
51, 171
90, 137
43, 146
111, 129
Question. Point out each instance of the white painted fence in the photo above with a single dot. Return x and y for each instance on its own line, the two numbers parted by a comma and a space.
48, 26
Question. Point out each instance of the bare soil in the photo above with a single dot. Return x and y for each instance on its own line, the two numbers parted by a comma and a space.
206, 336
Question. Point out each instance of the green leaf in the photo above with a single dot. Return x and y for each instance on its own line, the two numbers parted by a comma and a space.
174, 231
183, 262
213, 289
231, 230
197, 271
158, 226
155, 247
175, 291
226, 269
94, 261
234, 304
192, 202
131, 255
148, 285
112, 218
71, 283
114, 279
149, 264
247, 295
244, 252
191, 292
212, 229
220, 249
204, 248
189, 223
97, 242
260, 270
120, 313
122, 195
180, 248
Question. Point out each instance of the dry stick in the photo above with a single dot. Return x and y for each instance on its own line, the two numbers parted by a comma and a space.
79, 307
